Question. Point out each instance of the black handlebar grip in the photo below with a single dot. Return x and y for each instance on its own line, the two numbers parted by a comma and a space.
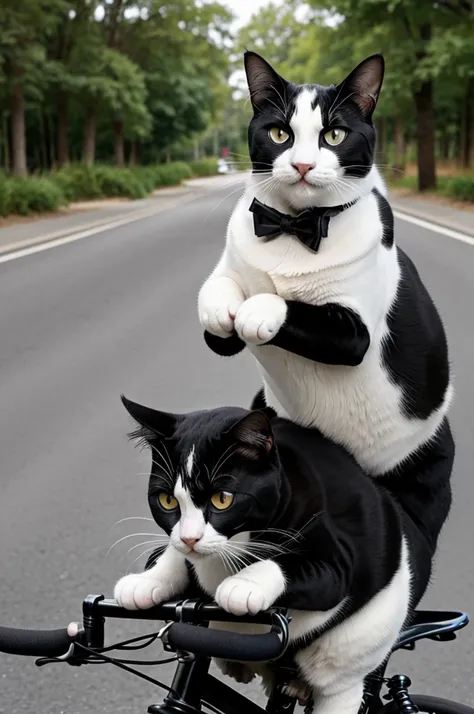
206, 642
34, 643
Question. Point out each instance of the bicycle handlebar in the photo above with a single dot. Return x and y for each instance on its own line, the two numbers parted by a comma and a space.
182, 634
225, 645
35, 643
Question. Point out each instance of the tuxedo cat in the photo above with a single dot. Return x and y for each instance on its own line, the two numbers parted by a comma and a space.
260, 511
343, 330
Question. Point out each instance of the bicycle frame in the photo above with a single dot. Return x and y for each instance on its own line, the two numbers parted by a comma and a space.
193, 686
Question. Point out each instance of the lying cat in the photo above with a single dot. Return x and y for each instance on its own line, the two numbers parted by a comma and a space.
260, 511
345, 334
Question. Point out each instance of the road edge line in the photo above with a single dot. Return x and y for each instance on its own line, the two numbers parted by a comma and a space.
434, 227
38, 247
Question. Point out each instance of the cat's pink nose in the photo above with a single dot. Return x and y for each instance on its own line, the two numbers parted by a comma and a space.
303, 168
190, 542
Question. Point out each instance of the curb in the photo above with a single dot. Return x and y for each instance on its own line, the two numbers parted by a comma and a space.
122, 218
424, 216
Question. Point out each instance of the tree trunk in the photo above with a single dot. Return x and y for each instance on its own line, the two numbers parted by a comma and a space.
43, 142
133, 153
445, 145
399, 158
63, 126
52, 140
425, 122
467, 127
425, 140
215, 142
113, 25
118, 144
381, 143
196, 150
6, 142
88, 150
18, 126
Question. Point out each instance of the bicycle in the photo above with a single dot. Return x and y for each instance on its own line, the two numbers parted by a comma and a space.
187, 636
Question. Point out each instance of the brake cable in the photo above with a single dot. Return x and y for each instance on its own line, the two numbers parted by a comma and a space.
98, 656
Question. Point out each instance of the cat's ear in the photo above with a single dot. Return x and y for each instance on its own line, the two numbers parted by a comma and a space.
151, 423
265, 85
364, 83
253, 434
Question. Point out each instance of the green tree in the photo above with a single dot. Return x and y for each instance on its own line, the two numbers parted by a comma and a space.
25, 26
409, 26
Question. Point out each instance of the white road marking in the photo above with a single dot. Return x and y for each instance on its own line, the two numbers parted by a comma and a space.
435, 227
72, 237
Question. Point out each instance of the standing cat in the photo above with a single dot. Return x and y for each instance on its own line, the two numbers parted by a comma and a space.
260, 511
345, 334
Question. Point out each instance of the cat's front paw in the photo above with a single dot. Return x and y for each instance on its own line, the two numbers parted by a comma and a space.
240, 671
260, 317
218, 304
140, 591
240, 596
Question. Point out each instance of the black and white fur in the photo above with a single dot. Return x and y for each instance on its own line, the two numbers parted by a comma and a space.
306, 529
347, 339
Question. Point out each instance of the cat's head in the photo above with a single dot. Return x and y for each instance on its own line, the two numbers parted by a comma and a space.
313, 145
215, 474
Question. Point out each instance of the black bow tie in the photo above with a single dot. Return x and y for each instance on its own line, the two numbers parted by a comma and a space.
309, 226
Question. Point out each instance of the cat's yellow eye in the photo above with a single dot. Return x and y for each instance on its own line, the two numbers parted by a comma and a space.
335, 136
222, 500
279, 136
167, 501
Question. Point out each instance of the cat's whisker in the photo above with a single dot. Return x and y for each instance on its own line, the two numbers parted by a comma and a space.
333, 110
167, 460
133, 518
283, 101
247, 157
228, 563
215, 474
167, 453
241, 188
238, 558
148, 550
219, 460
264, 547
242, 552
131, 535
163, 466
286, 532
147, 542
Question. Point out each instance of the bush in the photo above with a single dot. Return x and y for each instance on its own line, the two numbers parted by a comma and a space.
460, 188
204, 167
82, 182
26, 195
171, 174
79, 182
115, 182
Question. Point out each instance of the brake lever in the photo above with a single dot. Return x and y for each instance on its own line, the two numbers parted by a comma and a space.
72, 657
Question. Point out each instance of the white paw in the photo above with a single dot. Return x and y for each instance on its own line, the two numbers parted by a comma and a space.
260, 318
218, 303
299, 690
140, 591
241, 597
239, 671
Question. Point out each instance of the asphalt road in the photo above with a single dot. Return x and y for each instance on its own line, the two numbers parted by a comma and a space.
81, 323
